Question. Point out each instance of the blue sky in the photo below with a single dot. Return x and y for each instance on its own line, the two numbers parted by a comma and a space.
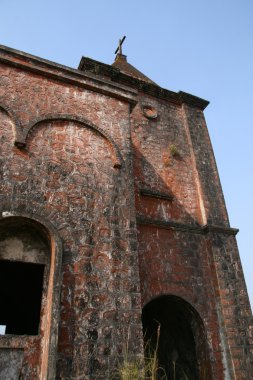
203, 47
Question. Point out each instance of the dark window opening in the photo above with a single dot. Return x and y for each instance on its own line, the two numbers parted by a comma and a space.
167, 327
20, 296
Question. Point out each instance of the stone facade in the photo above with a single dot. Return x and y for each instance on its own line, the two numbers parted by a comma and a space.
115, 180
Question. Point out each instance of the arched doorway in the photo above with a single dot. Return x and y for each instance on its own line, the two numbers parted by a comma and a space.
173, 329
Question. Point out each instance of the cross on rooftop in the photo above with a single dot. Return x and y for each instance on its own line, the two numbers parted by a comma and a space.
119, 48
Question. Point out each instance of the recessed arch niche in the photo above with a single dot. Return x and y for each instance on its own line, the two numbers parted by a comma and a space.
21, 139
174, 330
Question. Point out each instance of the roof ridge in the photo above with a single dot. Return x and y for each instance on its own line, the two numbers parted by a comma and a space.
128, 69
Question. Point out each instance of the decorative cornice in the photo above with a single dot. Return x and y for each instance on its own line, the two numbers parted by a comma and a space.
28, 62
197, 229
192, 100
220, 229
93, 75
156, 194
92, 66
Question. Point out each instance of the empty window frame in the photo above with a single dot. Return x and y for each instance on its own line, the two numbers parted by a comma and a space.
24, 257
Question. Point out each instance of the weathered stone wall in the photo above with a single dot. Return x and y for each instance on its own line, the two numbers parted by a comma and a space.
233, 305
66, 173
127, 181
177, 193
158, 167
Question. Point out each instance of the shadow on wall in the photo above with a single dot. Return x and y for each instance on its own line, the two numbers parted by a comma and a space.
183, 207
170, 325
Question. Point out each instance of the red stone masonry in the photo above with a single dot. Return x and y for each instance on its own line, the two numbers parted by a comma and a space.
121, 177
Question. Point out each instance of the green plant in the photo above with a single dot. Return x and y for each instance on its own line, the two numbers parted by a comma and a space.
174, 150
151, 361
137, 369
131, 370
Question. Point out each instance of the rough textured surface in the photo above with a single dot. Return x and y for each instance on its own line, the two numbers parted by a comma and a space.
10, 363
123, 186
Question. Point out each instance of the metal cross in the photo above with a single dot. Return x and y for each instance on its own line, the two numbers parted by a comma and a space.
119, 48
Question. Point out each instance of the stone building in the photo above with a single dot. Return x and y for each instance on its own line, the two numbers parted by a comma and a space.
113, 228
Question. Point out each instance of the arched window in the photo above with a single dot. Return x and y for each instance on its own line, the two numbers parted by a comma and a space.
30, 280
24, 269
174, 332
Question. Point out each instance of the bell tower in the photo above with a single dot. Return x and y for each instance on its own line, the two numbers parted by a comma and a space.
115, 240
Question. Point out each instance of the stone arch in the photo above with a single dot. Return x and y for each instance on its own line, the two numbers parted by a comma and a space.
174, 329
15, 120
20, 226
21, 142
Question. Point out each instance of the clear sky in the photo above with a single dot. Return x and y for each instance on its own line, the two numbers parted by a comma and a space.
203, 47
